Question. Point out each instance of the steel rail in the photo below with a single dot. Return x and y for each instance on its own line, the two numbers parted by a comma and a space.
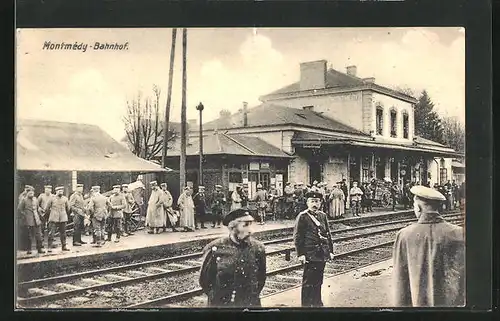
46, 297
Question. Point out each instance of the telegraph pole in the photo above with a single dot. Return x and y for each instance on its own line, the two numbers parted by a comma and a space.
169, 99
182, 165
200, 108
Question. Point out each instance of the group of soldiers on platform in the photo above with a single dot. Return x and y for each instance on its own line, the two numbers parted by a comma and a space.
49, 213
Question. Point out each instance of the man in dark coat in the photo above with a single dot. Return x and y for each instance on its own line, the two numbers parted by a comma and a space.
343, 187
200, 207
77, 205
314, 246
31, 223
233, 272
218, 204
429, 257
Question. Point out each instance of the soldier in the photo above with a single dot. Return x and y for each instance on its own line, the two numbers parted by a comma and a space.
77, 206
344, 189
273, 197
236, 198
98, 211
25, 192
314, 246
218, 203
261, 199
43, 199
58, 208
244, 195
289, 200
233, 272
394, 195
28, 210
116, 204
300, 201
169, 216
186, 207
154, 217
200, 207
429, 257
127, 211
355, 195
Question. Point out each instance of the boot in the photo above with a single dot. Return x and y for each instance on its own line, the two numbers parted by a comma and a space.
64, 248
40, 251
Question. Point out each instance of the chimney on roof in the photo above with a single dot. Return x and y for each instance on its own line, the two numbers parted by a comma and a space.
224, 121
313, 75
370, 80
351, 70
245, 114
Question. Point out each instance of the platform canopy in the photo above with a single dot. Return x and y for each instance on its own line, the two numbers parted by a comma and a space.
59, 146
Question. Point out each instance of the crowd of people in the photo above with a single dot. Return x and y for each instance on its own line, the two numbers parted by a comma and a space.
103, 215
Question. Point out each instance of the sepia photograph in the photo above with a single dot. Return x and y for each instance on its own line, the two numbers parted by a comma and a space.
240, 168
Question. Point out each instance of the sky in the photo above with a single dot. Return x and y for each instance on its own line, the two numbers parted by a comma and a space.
225, 66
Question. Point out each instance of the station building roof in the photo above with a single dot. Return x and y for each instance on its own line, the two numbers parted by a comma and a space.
60, 146
219, 143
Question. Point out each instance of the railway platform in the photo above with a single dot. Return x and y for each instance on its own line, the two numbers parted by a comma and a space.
144, 244
365, 287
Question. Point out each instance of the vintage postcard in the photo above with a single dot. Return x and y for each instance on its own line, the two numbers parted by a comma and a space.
240, 167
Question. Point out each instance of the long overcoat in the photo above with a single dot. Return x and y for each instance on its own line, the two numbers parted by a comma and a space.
28, 210
337, 198
156, 212
429, 264
186, 207
59, 208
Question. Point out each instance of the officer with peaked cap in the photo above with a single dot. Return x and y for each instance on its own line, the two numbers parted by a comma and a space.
314, 246
98, 208
218, 204
233, 272
43, 200
58, 209
116, 204
429, 257
30, 220
76, 203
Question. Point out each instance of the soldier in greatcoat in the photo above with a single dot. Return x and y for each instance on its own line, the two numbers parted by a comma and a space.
58, 209
22, 234
186, 207
261, 199
98, 209
43, 199
218, 203
200, 207
429, 257
289, 192
155, 212
127, 211
77, 206
31, 223
233, 272
171, 216
116, 204
313, 242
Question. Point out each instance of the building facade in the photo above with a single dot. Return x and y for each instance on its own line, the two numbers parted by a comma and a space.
338, 126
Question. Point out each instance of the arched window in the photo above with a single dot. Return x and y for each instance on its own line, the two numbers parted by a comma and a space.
379, 120
406, 124
394, 123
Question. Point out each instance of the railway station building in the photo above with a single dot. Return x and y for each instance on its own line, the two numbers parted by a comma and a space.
332, 125
62, 154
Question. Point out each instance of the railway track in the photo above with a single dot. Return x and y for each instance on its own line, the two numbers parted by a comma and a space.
170, 274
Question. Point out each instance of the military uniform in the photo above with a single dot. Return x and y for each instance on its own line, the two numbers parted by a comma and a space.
218, 203
58, 208
233, 273
43, 200
200, 205
31, 222
99, 212
313, 240
116, 204
429, 260
127, 211
261, 199
77, 204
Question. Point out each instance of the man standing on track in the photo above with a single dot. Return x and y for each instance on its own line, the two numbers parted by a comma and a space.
76, 203
233, 272
116, 204
218, 203
429, 257
314, 246
58, 209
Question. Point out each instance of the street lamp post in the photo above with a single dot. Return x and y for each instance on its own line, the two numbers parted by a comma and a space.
200, 108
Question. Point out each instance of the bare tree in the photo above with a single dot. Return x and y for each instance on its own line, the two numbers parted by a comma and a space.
454, 133
144, 126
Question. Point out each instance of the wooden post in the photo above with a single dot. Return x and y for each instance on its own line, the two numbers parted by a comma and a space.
348, 180
169, 98
182, 165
